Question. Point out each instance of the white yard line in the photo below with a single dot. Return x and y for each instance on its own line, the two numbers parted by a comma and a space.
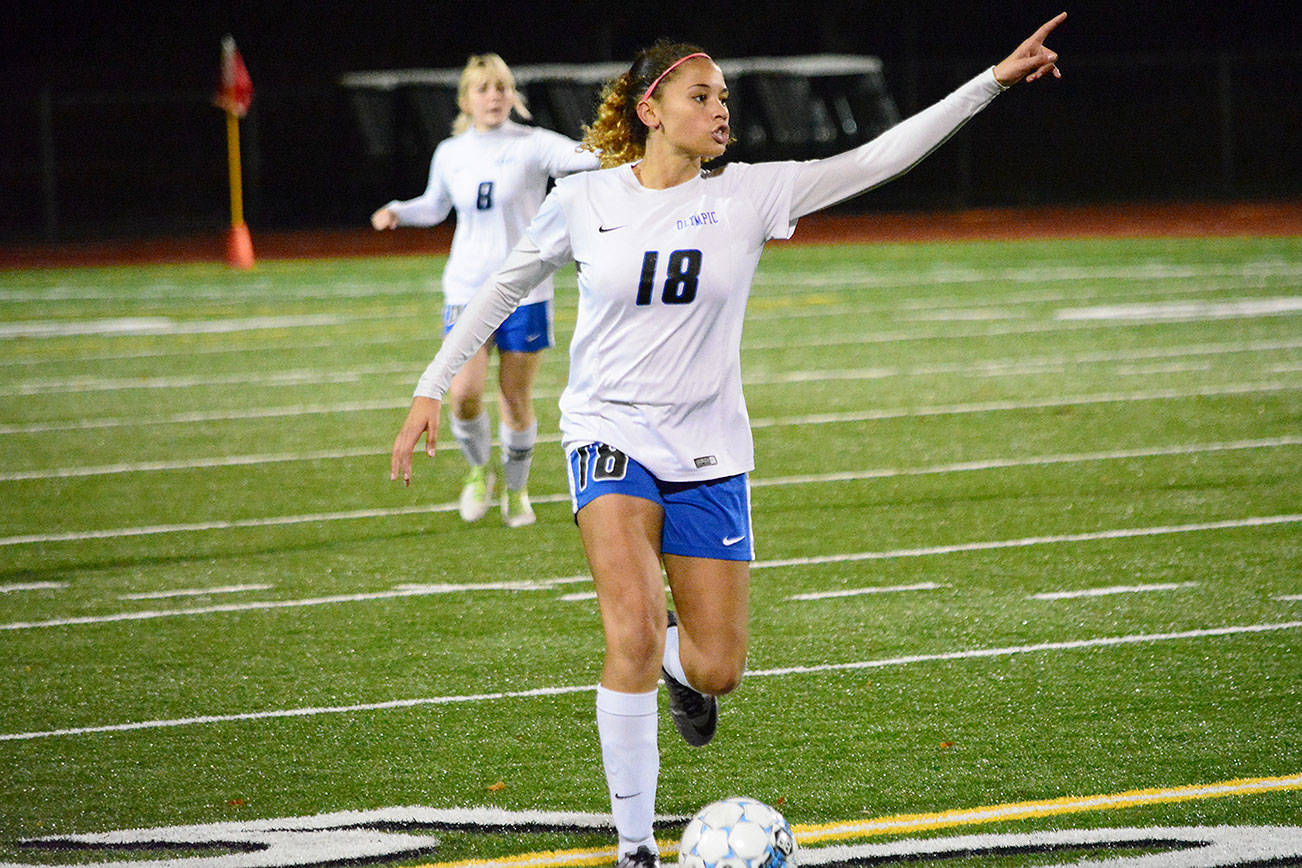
401, 404
782, 307
1023, 542
761, 482
267, 605
1187, 311
32, 586
540, 692
1033, 404
194, 592
860, 592
162, 325
985, 367
1115, 589
189, 463
543, 584
938, 275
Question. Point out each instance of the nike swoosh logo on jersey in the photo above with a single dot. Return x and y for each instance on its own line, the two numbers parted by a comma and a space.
733, 540
608, 228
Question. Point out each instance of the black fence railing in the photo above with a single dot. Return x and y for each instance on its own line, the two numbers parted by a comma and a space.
78, 166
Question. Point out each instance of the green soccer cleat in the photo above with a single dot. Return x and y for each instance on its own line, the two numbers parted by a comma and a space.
516, 509
476, 494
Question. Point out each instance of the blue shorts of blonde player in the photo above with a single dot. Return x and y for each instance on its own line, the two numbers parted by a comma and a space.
527, 330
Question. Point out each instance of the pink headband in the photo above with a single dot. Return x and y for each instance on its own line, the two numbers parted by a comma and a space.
680, 61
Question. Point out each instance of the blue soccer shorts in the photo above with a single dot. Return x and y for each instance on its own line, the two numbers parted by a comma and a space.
527, 330
708, 519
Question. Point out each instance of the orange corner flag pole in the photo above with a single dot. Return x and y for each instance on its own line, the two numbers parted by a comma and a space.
239, 243
234, 96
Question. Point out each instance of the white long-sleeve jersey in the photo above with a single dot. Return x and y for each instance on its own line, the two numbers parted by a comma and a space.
495, 179
664, 276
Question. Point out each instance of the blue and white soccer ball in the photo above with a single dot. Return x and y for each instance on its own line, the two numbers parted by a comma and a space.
737, 833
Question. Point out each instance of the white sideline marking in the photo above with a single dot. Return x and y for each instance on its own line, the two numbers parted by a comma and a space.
857, 416
1116, 589
228, 524
328, 454
543, 584
1169, 368
243, 349
1033, 404
33, 586
193, 418
1074, 645
161, 325
989, 545
838, 476
760, 311
1182, 311
971, 654
989, 367
301, 377
856, 592
188, 464
194, 592
1035, 461
939, 274
1036, 274
1290, 598
400, 591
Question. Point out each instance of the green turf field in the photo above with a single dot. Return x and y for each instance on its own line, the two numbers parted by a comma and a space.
1028, 518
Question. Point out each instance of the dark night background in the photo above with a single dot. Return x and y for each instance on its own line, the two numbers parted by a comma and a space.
1159, 100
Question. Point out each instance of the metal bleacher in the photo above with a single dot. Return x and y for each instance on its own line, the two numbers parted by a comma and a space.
782, 107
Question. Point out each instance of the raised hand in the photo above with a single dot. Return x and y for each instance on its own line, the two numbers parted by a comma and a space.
1032, 59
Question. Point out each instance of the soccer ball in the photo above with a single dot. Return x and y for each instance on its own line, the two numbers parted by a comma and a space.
737, 833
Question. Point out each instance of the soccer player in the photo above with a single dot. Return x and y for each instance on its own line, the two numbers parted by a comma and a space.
494, 172
653, 418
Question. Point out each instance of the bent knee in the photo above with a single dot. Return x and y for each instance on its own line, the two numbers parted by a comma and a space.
718, 678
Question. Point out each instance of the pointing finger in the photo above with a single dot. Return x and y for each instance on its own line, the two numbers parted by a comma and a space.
1047, 27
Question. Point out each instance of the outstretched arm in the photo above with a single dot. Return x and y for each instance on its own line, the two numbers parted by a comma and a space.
825, 182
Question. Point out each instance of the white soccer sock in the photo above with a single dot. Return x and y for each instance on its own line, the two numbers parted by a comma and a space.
630, 752
673, 662
517, 454
474, 438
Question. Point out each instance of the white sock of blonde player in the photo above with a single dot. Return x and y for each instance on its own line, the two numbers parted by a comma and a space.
630, 752
475, 438
517, 454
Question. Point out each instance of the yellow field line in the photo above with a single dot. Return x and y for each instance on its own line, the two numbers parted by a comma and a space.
1043, 808
813, 833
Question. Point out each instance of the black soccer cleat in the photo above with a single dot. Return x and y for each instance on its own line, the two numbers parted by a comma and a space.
695, 714
642, 857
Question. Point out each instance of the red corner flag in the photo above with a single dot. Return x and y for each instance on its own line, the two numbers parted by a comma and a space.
235, 92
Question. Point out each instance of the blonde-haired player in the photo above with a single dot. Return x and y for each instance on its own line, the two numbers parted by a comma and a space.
653, 416
493, 172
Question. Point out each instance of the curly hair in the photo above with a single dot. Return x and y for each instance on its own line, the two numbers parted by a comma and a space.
618, 135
